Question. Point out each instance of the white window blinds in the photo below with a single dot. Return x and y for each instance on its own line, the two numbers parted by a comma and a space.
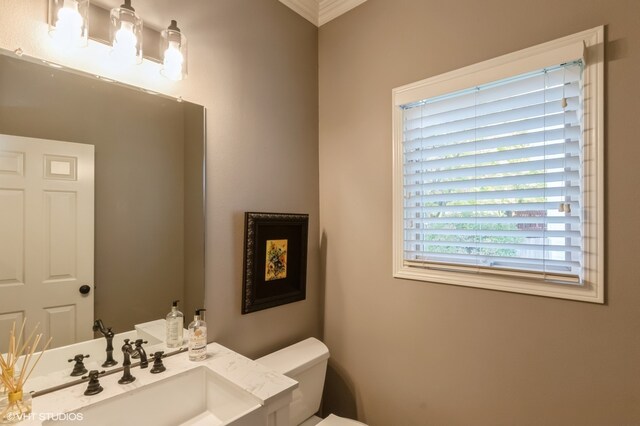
492, 177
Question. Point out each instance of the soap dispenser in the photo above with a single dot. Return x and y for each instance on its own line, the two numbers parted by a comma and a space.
175, 325
198, 337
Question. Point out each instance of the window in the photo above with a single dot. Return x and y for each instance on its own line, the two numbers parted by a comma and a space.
498, 173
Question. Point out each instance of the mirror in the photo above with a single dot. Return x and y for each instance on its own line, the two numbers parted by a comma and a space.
148, 188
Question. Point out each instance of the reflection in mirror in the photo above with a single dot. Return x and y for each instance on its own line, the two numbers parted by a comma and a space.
147, 243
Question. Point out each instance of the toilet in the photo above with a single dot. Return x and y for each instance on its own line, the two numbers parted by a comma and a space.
305, 362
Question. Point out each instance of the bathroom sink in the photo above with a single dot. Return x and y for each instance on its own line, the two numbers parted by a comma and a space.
196, 397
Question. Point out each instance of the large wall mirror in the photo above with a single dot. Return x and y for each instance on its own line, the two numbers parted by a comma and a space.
148, 201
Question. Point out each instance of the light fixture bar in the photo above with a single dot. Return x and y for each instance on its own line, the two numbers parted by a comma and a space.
100, 28
122, 29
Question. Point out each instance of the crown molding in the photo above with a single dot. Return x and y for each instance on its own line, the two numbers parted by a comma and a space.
308, 9
319, 12
331, 9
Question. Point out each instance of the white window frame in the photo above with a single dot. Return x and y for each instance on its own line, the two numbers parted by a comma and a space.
588, 44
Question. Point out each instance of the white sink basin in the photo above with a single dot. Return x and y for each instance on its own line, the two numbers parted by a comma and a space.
196, 397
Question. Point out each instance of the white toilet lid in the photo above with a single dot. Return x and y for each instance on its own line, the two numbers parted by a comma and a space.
334, 420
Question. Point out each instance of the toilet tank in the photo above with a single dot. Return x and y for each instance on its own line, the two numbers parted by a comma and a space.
305, 362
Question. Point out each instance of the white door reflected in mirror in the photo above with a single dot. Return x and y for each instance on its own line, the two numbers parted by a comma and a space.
46, 238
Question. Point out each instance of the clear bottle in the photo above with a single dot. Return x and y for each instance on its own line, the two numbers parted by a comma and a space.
198, 337
175, 326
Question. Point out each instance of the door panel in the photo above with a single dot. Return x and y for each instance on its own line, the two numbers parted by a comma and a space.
12, 163
6, 322
60, 322
60, 224
46, 237
12, 236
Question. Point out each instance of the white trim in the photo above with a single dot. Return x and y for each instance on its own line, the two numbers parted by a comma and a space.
308, 9
592, 43
319, 12
594, 136
520, 62
331, 9
585, 293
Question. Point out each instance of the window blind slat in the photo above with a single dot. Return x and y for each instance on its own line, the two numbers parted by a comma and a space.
571, 148
525, 125
548, 178
493, 195
499, 208
570, 91
505, 233
541, 220
479, 245
511, 269
573, 163
468, 258
497, 117
536, 137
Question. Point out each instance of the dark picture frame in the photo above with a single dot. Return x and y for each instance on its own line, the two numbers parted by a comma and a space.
275, 260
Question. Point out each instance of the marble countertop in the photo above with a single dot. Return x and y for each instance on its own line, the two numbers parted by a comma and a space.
259, 381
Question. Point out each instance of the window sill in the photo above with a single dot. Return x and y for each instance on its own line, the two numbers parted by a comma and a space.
584, 292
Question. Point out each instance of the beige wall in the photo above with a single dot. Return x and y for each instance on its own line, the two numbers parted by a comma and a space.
253, 65
414, 353
262, 155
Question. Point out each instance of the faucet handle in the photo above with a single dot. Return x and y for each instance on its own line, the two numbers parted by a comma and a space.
79, 358
93, 375
127, 346
93, 387
78, 369
139, 342
158, 366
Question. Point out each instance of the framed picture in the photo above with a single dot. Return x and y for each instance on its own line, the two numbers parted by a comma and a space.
275, 260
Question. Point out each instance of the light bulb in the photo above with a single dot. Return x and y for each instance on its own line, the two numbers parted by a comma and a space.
68, 31
173, 60
124, 43
173, 46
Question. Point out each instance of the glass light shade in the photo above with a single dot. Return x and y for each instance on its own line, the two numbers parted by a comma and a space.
173, 48
126, 35
69, 22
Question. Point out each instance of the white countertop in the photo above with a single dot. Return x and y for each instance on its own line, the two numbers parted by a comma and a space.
260, 382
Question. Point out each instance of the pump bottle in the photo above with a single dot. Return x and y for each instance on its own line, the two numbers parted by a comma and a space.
198, 337
175, 326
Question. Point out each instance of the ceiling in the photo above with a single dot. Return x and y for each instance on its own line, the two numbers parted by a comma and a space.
319, 12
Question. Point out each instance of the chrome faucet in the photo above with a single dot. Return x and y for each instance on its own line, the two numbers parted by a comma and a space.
108, 334
127, 351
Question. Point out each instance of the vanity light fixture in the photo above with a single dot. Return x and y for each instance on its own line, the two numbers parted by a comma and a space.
69, 28
174, 53
126, 34
69, 22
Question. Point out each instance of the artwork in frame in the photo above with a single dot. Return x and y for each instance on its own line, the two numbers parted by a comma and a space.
275, 260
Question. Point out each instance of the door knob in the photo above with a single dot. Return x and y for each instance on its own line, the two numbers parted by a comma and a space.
85, 289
